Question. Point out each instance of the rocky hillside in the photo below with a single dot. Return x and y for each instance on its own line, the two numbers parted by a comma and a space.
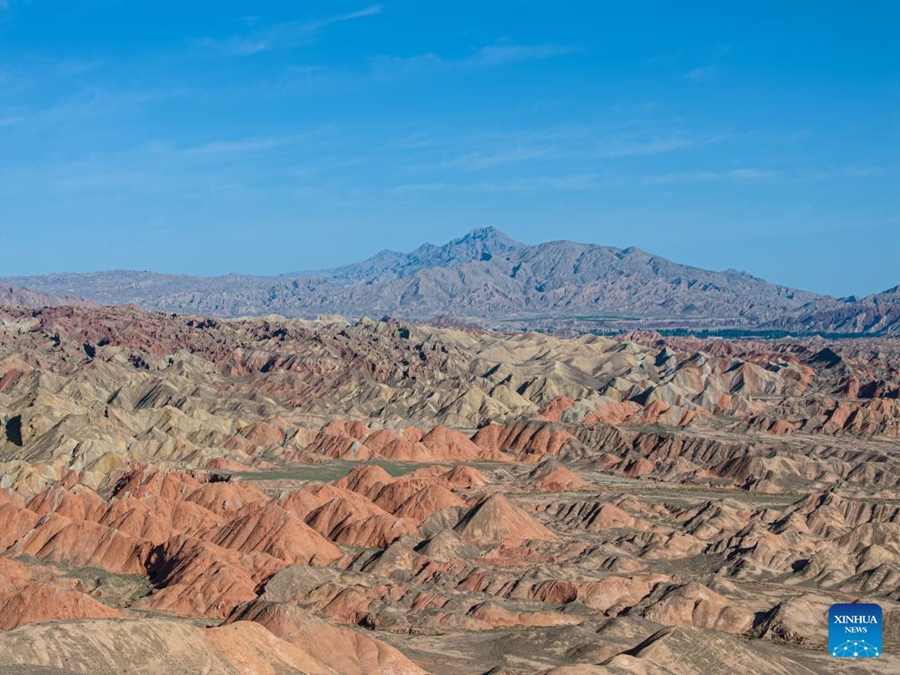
285, 497
28, 298
485, 277
90, 389
878, 313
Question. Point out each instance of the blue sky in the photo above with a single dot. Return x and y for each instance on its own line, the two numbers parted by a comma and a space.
264, 137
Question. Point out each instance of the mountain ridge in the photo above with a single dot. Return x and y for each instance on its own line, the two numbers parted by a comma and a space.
488, 278
478, 244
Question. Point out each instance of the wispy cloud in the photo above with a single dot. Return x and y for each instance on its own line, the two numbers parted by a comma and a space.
745, 174
842, 172
754, 174
627, 145
492, 139
69, 67
499, 54
717, 51
410, 188
507, 53
243, 146
667, 57
491, 151
283, 35
568, 182
476, 161
88, 103
703, 74
709, 72
589, 181
349, 16
387, 67
264, 164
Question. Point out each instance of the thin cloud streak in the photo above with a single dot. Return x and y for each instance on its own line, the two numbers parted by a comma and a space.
246, 146
743, 174
847, 172
503, 54
590, 181
160, 166
632, 147
349, 16
90, 103
703, 74
387, 67
548, 146
525, 184
476, 161
283, 35
588, 143
709, 72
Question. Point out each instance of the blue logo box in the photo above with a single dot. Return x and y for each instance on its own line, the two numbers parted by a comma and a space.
854, 630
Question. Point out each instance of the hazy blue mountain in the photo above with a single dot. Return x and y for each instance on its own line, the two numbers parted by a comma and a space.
486, 277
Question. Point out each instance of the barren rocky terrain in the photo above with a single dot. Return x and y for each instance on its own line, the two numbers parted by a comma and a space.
181, 494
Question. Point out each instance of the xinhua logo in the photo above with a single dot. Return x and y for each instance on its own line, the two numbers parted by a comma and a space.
854, 631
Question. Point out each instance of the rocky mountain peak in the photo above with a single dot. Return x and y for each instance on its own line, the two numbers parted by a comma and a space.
479, 244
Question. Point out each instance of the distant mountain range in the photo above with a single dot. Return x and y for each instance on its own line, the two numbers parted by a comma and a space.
878, 313
486, 278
